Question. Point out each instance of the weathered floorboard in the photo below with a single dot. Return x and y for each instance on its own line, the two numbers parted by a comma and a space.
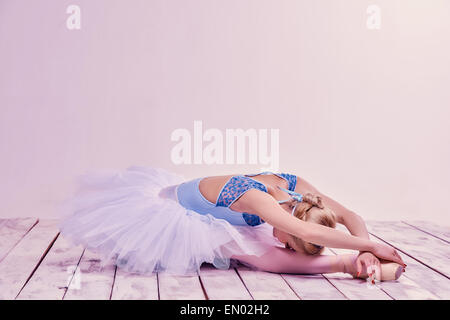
223, 284
406, 289
90, 281
266, 286
12, 231
173, 287
424, 277
19, 264
39, 264
433, 252
131, 286
401, 289
439, 231
313, 287
51, 279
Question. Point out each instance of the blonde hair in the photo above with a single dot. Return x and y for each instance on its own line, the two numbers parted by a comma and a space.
310, 213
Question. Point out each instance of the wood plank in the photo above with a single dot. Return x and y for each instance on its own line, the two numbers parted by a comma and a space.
55, 267
439, 231
132, 286
424, 277
313, 287
406, 289
355, 289
174, 287
223, 284
12, 231
265, 285
430, 251
91, 281
427, 278
51, 279
19, 264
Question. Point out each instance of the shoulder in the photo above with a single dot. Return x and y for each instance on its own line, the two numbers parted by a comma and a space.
303, 186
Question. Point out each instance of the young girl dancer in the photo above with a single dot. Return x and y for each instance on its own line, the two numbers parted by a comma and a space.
150, 220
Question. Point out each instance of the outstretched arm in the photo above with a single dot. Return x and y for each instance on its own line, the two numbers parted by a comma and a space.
265, 206
352, 221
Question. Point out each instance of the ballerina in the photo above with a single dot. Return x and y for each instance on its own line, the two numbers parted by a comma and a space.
150, 220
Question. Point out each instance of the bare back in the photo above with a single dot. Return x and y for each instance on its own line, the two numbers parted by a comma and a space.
210, 188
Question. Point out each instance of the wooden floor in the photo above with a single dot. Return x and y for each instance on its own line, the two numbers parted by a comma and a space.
37, 263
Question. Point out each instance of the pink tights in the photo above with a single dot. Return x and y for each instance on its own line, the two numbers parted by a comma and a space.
281, 260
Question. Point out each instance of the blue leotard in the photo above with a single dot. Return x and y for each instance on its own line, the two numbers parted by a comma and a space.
190, 197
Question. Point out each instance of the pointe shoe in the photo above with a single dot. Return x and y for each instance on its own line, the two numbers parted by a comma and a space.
391, 271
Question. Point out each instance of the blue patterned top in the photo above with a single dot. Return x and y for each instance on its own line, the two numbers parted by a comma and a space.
238, 185
291, 179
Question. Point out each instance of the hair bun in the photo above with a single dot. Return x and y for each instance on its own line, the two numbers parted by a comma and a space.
322, 216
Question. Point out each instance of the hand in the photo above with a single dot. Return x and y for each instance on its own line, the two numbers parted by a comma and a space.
383, 251
371, 264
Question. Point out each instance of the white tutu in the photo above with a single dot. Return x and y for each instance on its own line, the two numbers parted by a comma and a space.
133, 217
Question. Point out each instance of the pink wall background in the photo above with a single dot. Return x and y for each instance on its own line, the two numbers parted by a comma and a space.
363, 114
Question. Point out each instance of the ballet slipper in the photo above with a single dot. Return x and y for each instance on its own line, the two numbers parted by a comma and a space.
389, 270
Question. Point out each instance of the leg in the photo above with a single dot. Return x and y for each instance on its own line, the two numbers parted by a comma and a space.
281, 260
